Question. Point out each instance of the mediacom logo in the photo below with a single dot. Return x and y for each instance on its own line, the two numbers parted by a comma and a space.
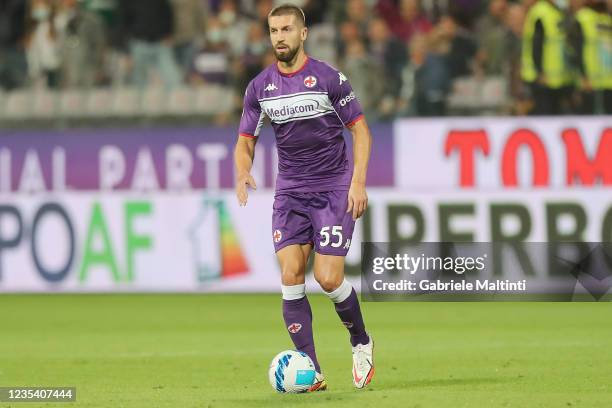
288, 111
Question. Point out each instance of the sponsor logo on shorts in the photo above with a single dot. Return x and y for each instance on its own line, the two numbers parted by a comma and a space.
348, 325
347, 98
310, 81
277, 236
294, 328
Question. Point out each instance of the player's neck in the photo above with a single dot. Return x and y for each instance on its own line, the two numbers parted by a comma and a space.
294, 65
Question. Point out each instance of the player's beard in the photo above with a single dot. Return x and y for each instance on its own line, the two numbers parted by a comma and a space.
288, 55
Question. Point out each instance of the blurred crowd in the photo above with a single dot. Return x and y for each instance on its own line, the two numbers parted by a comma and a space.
403, 57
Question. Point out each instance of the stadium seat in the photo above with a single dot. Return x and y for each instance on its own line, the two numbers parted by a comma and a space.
72, 103
44, 104
181, 101
99, 103
126, 102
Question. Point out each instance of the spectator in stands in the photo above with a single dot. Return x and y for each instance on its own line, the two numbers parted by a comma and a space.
491, 37
13, 65
148, 26
405, 19
251, 62
43, 54
106, 10
519, 93
189, 31
234, 26
263, 7
357, 12
353, 25
575, 5
212, 63
82, 43
426, 81
315, 11
544, 64
348, 33
360, 69
465, 12
590, 34
434, 9
390, 54
460, 44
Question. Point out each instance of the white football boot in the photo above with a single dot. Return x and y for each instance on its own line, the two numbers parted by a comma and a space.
363, 364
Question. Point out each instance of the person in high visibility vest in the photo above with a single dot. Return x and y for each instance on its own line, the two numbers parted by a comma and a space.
544, 57
591, 40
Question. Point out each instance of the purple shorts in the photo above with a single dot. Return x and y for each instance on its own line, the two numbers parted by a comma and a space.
313, 218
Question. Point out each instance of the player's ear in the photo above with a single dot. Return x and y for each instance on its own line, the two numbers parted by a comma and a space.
304, 33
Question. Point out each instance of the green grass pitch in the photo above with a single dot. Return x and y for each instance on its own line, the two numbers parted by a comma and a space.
213, 351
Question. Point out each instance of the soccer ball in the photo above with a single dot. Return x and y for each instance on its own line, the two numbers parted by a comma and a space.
291, 371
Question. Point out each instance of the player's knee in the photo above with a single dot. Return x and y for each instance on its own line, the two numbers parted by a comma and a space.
329, 282
292, 272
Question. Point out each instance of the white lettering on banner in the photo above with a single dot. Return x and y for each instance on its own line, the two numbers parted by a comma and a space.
31, 177
5, 170
145, 177
112, 167
212, 154
59, 169
31, 180
503, 152
179, 165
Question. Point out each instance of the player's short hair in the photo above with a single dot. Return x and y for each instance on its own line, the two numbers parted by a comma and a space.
289, 9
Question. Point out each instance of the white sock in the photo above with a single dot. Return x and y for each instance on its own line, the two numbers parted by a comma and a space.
293, 292
341, 293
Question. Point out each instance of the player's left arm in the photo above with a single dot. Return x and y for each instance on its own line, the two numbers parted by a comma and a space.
349, 111
362, 145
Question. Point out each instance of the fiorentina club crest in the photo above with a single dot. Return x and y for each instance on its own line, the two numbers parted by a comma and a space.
277, 235
310, 81
294, 328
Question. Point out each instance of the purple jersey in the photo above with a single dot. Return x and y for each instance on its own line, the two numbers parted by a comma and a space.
308, 110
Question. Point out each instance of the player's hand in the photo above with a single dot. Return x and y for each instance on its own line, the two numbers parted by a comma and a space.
357, 199
241, 188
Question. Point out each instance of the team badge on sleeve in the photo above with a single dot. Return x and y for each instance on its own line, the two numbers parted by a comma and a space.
277, 236
310, 81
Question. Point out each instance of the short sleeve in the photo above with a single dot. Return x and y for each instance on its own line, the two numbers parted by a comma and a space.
343, 99
252, 117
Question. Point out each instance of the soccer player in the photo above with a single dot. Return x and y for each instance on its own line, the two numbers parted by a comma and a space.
318, 196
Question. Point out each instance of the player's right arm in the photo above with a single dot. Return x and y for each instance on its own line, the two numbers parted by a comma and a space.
244, 152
